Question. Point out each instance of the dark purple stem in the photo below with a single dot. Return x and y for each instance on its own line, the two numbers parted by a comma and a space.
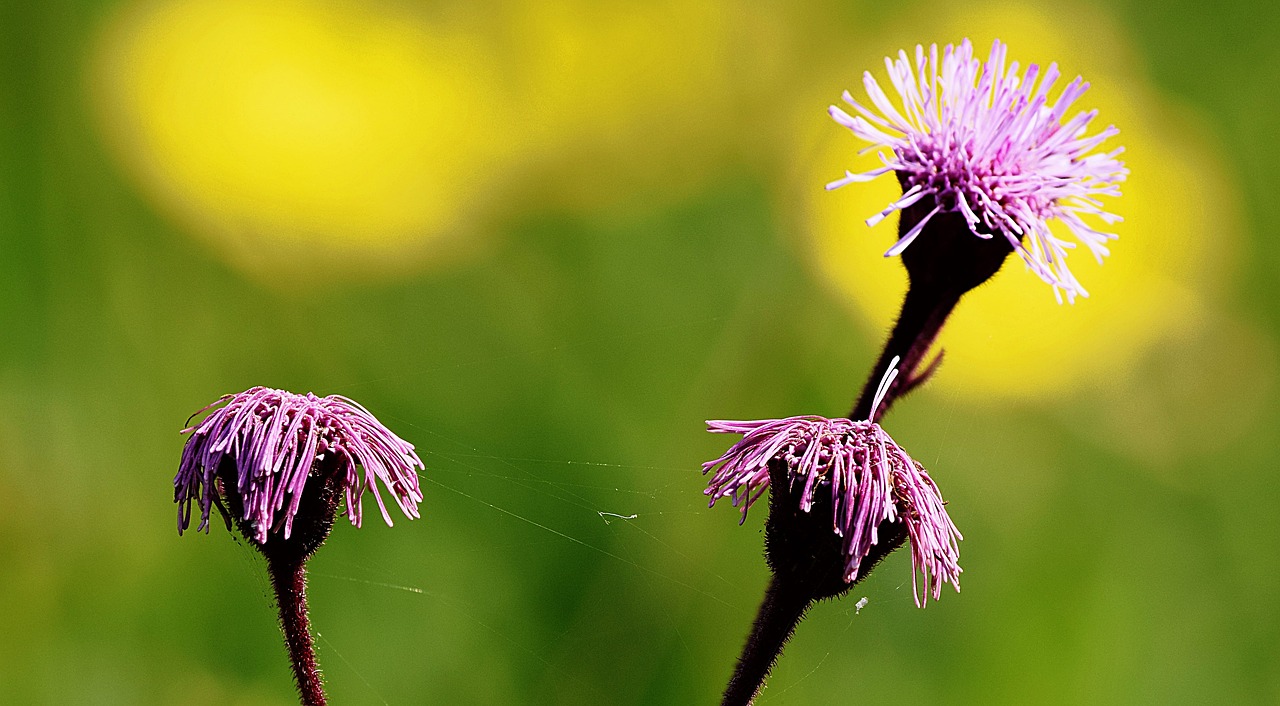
947, 261
791, 592
924, 311
780, 613
289, 578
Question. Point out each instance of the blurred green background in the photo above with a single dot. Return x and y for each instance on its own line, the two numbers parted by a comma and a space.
544, 241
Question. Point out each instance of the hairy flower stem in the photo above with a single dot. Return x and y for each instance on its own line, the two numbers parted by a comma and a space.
922, 316
287, 563
807, 561
946, 261
786, 601
806, 557
780, 613
289, 579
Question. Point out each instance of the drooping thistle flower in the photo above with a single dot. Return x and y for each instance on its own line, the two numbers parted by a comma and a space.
842, 496
985, 142
277, 442
279, 464
871, 483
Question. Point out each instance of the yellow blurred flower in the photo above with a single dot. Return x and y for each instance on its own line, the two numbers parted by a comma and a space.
310, 133
1010, 338
303, 133
627, 96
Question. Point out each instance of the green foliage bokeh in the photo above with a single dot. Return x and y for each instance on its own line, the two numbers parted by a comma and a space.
556, 384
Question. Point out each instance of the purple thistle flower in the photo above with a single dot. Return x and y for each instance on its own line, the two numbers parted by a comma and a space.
984, 141
871, 480
275, 439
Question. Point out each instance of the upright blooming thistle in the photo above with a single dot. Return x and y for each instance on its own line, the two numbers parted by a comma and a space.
984, 141
275, 440
870, 479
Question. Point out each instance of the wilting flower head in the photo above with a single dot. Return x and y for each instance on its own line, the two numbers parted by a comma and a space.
871, 480
275, 439
984, 140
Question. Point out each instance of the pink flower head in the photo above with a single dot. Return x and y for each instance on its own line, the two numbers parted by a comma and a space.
275, 438
984, 140
871, 480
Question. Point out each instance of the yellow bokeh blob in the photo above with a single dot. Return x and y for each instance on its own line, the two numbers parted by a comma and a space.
623, 96
309, 133
302, 133
1010, 338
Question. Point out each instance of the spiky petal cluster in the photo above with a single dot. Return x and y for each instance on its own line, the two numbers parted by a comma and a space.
275, 439
985, 141
870, 478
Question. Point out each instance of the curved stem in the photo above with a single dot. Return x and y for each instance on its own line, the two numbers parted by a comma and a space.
924, 310
786, 600
780, 613
289, 579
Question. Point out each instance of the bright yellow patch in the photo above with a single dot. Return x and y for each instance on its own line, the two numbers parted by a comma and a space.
631, 95
310, 133
289, 130
1010, 338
